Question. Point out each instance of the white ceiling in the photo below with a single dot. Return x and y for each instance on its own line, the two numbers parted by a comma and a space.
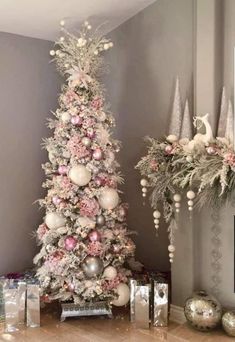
40, 18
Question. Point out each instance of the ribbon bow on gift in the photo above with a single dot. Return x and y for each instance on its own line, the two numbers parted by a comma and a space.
78, 76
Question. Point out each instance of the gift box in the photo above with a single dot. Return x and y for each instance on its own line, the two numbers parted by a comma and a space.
149, 299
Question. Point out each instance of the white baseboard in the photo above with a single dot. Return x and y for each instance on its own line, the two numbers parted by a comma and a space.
177, 314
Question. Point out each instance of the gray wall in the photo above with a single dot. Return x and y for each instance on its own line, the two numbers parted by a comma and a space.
216, 24
150, 50
28, 91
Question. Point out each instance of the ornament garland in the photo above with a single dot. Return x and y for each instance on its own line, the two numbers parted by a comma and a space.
203, 167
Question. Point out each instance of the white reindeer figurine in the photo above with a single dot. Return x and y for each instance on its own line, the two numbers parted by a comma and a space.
208, 136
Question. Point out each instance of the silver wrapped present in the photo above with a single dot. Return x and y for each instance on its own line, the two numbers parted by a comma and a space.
11, 308
160, 304
21, 300
141, 308
33, 305
132, 284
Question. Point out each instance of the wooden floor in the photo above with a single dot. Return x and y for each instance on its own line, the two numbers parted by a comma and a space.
104, 329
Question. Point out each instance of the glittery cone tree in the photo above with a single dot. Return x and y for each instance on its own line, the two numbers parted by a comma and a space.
84, 238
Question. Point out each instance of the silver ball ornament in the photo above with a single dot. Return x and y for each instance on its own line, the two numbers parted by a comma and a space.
92, 266
202, 311
228, 322
100, 220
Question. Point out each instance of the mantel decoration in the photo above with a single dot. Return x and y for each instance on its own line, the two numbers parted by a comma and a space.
201, 169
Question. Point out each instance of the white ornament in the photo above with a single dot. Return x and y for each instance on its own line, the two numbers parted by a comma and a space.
62, 23
172, 138
189, 159
86, 141
96, 52
144, 190
89, 27
143, 182
191, 194
52, 52
177, 197
144, 194
111, 44
65, 117
171, 255
80, 175
123, 292
171, 248
54, 220
110, 272
156, 221
177, 210
61, 39
190, 203
156, 214
109, 199
177, 205
190, 208
171, 261
106, 46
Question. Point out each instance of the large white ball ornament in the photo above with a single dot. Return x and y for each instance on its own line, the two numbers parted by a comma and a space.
191, 194
54, 220
123, 292
109, 199
110, 272
80, 175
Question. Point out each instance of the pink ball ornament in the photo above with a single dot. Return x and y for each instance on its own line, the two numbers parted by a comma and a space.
70, 243
94, 236
76, 120
71, 287
63, 170
210, 150
97, 154
168, 149
56, 200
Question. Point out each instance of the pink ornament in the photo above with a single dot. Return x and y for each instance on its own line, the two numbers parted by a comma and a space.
90, 133
210, 150
97, 154
76, 120
98, 181
70, 243
94, 235
56, 200
71, 287
168, 149
62, 170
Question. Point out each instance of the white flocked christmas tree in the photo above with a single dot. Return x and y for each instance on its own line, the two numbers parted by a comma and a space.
84, 237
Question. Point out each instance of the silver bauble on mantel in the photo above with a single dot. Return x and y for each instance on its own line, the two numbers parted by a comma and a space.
203, 311
92, 266
228, 322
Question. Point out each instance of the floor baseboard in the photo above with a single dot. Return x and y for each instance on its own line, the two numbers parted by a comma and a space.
177, 314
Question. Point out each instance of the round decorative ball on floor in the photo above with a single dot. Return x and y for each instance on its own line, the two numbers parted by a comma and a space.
228, 322
80, 175
108, 199
123, 292
202, 311
92, 266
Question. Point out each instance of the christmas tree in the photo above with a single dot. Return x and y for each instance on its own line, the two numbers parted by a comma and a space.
84, 238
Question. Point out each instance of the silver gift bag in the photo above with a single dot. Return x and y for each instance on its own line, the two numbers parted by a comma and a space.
11, 309
160, 304
33, 305
141, 308
132, 284
21, 300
